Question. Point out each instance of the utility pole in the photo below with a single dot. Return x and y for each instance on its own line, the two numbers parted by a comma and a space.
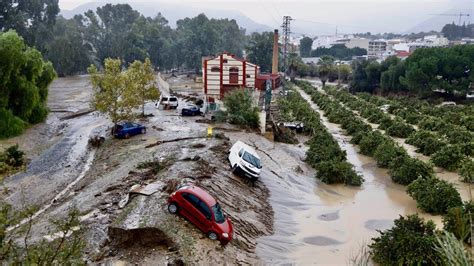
286, 40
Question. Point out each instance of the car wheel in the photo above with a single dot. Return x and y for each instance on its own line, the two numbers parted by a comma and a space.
143, 130
212, 235
235, 168
127, 135
173, 208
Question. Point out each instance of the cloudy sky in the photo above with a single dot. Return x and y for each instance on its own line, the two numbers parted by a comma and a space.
347, 15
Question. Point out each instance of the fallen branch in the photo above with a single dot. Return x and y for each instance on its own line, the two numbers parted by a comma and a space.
76, 114
171, 140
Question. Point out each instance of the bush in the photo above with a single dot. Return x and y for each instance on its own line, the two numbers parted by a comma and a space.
404, 170
457, 221
370, 141
13, 156
448, 157
331, 172
10, 125
433, 195
38, 114
399, 129
410, 241
385, 122
426, 142
467, 171
240, 109
387, 152
432, 124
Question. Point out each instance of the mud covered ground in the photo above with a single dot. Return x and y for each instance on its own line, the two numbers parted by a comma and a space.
121, 226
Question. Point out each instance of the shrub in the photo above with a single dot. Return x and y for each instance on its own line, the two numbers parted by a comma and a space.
387, 152
370, 141
13, 156
404, 170
433, 124
10, 125
426, 142
448, 157
452, 251
467, 171
338, 172
376, 117
410, 241
38, 114
457, 221
385, 122
457, 135
355, 125
240, 109
399, 129
433, 195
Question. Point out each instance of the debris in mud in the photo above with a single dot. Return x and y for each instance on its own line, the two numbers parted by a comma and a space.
204, 169
198, 145
284, 135
157, 128
154, 166
147, 190
321, 241
298, 169
221, 136
171, 186
96, 141
77, 114
205, 121
171, 140
332, 216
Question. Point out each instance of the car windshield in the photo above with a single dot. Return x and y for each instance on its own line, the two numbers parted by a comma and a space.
164, 99
173, 99
218, 215
251, 159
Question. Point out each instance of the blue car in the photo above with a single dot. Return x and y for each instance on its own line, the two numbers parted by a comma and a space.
190, 110
125, 130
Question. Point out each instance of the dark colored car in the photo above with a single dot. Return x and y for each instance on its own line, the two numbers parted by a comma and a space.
201, 209
190, 110
127, 129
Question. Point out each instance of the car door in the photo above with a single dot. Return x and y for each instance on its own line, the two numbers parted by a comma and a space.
205, 216
189, 211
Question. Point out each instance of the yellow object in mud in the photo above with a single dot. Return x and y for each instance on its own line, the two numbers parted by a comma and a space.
209, 131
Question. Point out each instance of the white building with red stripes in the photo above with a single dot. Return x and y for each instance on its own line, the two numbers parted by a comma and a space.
226, 72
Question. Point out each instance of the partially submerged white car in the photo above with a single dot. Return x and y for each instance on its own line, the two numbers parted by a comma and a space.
245, 159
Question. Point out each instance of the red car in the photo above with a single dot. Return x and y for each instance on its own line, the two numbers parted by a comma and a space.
201, 209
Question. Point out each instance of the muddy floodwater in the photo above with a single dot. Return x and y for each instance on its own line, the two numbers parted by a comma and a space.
317, 223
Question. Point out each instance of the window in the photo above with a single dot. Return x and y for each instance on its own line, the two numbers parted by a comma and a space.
241, 152
202, 207
225, 61
191, 199
251, 159
234, 70
218, 215
248, 75
215, 69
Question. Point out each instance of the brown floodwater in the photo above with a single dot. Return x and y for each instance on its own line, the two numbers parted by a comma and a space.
316, 223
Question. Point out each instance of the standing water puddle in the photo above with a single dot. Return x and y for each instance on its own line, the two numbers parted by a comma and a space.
315, 223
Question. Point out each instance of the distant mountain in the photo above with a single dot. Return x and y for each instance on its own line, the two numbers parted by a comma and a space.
437, 22
174, 12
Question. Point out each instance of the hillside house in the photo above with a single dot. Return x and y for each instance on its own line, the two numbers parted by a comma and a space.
226, 72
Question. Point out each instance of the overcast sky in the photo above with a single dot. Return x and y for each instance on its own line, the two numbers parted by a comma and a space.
349, 15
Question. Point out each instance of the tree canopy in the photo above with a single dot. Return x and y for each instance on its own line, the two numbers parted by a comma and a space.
260, 49
24, 79
305, 46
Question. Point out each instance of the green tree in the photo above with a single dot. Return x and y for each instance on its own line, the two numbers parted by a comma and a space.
114, 91
24, 79
240, 109
325, 65
305, 46
33, 20
144, 82
411, 241
433, 195
457, 221
259, 50
64, 249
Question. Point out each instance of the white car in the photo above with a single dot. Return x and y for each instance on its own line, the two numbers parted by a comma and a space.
244, 159
168, 102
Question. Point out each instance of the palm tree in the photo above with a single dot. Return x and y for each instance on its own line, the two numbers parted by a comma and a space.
326, 63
